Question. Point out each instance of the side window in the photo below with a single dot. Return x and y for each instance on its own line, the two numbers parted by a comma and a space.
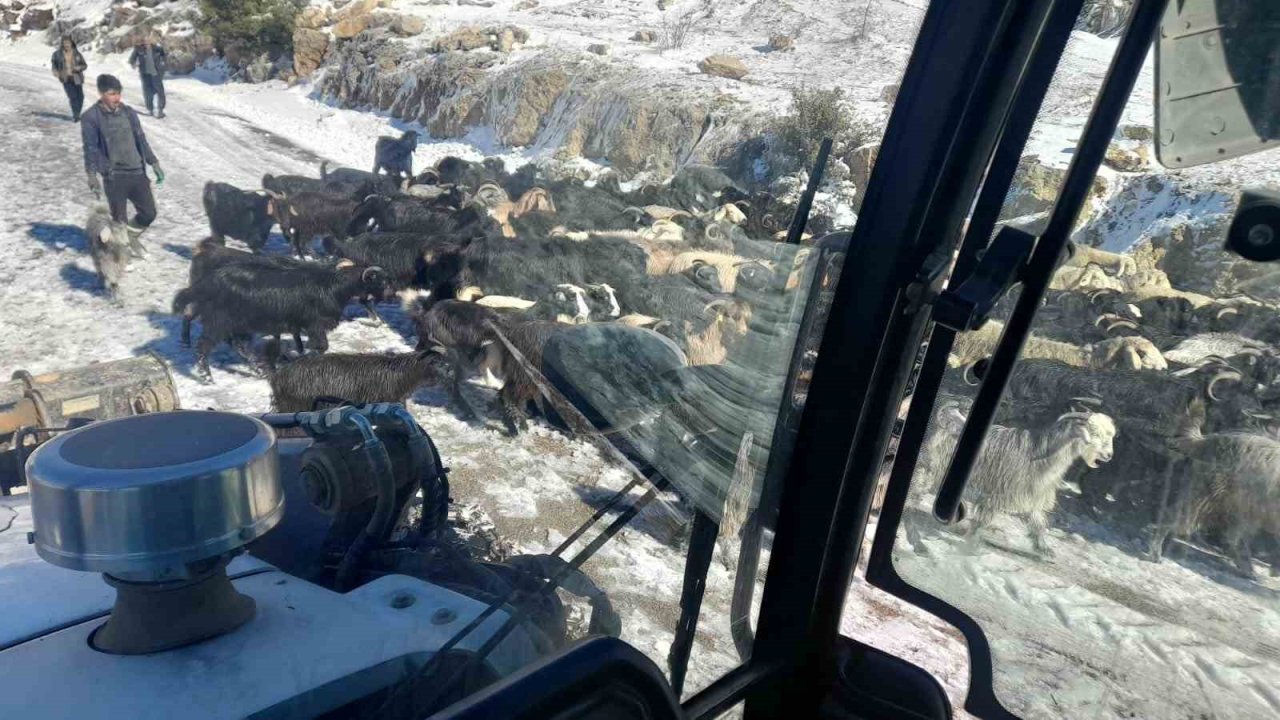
1119, 545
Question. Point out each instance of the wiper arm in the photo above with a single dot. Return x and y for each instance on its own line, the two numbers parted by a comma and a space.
1049, 249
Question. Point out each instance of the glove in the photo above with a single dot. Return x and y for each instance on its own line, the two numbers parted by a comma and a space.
95, 185
155, 167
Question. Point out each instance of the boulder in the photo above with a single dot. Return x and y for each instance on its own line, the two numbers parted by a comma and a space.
309, 48
37, 19
1127, 160
381, 20
1141, 133
356, 8
598, 49
17, 6
7, 18
313, 18
645, 36
781, 42
725, 66
187, 51
463, 39
889, 94
121, 16
349, 27
148, 3
408, 25
504, 41
525, 5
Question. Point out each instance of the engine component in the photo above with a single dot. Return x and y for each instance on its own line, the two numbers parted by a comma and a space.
100, 391
159, 504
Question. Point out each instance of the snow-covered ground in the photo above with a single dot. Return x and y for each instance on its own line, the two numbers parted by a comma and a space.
537, 488
1096, 633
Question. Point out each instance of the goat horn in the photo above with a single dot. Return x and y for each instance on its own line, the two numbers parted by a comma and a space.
1073, 414
1257, 415
1093, 296
718, 234
716, 304
1251, 352
970, 377
1214, 360
1222, 376
768, 222
1121, 323
364, 276
1227, 311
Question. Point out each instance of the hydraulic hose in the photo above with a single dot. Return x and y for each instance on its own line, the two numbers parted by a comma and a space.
375, 457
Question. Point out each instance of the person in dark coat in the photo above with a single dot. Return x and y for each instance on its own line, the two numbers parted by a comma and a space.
151, 62
116, 150
69, 67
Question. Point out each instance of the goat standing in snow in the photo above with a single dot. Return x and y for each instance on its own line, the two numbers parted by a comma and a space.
395, 155
110, 247
1018, 471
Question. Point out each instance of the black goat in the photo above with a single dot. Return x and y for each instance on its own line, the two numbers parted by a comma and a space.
211, 253
291, 184
308, 215
240, 299
357, 378
408, 214
235, 213
409, 259
462, 330
358, 183
395, 155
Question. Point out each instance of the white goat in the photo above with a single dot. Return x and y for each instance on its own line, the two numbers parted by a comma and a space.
1018, 472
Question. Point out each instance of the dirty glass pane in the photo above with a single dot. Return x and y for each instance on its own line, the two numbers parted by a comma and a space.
1119, 543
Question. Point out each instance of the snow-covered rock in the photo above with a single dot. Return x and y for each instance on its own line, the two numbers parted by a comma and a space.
309, 48
725, 66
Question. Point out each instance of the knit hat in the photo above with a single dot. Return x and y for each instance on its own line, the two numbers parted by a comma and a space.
107, 83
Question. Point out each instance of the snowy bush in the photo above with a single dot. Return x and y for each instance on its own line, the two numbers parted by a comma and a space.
675, 33
816, 114
250, 26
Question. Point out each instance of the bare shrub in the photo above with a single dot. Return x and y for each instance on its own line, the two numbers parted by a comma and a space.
676, 32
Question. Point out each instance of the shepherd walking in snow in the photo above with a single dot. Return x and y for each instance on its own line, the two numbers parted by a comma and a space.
69, 67
116, 150
151, 62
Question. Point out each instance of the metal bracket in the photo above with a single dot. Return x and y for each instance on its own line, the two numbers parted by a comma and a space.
967, 306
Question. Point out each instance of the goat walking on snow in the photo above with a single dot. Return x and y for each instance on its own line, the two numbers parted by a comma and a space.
1018, 471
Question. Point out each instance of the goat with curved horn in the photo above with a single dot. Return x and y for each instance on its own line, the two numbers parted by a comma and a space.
1226, 375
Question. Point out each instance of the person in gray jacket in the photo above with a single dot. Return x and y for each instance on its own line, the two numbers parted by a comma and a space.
151, 61
116, 154
69, 67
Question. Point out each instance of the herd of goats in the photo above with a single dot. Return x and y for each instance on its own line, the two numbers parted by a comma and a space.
1158, 409
1156, 401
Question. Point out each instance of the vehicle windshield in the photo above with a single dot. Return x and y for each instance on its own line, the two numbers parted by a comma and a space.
1118, 547
576, 260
